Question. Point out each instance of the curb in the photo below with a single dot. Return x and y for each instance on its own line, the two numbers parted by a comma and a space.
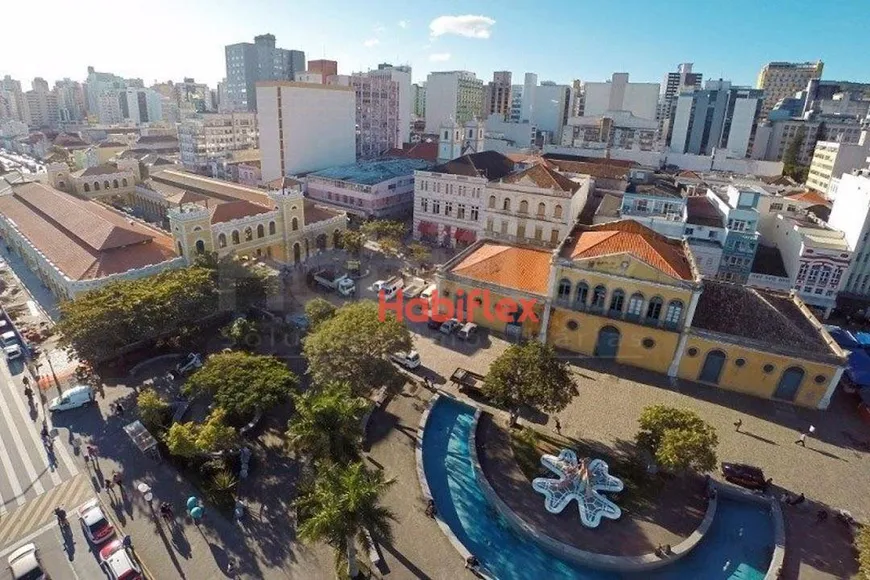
110, 514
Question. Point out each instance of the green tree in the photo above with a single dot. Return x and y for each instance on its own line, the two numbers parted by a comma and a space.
102, 323
530, 374
419, 253
243, 283
215, 434
380, 229
243, 333
353, 241
181, 439
243, 383
319, 310
862, 546
790, 159
678, 438
326, 424
153, 410
344, 504
353, 346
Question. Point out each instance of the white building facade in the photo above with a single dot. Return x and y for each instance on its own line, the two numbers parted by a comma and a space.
213, 135
831, 159
618, 94
851, 215
456, 95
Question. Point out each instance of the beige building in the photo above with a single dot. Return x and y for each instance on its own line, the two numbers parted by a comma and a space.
215, 135
779, 80
831, 159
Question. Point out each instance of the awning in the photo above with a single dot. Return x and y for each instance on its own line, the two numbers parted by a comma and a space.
843, 337
463, 235
428, 228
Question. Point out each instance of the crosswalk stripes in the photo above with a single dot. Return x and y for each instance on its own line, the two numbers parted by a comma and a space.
40, 511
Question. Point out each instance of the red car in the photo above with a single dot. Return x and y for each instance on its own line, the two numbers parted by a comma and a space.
94, 521
118, 562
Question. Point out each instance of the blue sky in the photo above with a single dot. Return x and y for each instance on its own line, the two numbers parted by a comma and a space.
560, 40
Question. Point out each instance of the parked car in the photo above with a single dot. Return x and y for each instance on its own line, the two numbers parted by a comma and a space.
468, 331
390, 287
118, 563
73, 398
450, 326
744, 475
190, 363
25, 563
436, 320
97, 527
8, 338
409, 360
428, 292
13, 351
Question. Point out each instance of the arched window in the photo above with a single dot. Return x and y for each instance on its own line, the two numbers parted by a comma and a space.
674, 312
96, 186
294, 225
124, 182
564, 289
87, 188
542, 209
115, 183
654, 310
249, 234
272, 228
180, 249
222, 240
582, 294
106, 184
557, 211
200, 247
261, 231
524, 206
598, 296
635, 305
617, 300
491, 202
235, 237
506, 204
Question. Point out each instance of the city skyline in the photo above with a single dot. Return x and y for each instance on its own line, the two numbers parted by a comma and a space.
472, 36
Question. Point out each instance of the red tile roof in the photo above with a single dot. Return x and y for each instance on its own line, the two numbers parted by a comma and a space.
317, 213
544, 177
603, 170
514, 267
809, 196
83, 239
233, 210
427, 150
630, 237
213, 188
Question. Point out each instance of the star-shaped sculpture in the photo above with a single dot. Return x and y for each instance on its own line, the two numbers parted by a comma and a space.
581, 480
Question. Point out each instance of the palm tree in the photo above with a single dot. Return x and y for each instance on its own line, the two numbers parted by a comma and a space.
343, 506
327, 424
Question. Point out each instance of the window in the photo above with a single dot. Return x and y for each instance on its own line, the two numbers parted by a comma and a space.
654, 310
504, 227
271, 228
235, 236
87, 188
617, 300
557, 212
524, 206
106, 184
475, 213
598, 296
96, 186
825, 275
539, 233
581, 295
768, 368
261, 231
674, 311
124, 182
448, 207
554, 237
564, 288
424, 204
648, 343
115, 185
819, 379
572, 325
641, 205
692, 351
200, 246
740, 362
436, 206
460, 211
635, 304
775, 206
249, 234
690, 231
222, 240
491, 202
506, 204
802, 271
542, 210
490, 223
814, 274
294, 224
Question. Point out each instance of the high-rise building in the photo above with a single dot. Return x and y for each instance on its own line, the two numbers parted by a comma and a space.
418, 91
325, 68
401, 75
12, 102
71, 105
780, 80
719, 117
552, 107
248, 64
618, 94
377, 114
141, 105
304, 127
673, 85
497, 95
530, 81
456, 95
209, 136
516, 103
41, 105
97, 84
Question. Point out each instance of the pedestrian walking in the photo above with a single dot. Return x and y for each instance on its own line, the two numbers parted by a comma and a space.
737, 424
93, 452
558, 426
118, 480
119, 409
802, 440
110, 487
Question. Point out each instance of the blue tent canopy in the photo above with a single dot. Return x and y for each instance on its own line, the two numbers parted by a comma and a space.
863, 339
858, 368
846, 339
865, 396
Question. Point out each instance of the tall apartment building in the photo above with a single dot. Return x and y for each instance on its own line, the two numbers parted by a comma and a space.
377, 114
516, 103
497, 95
779, 80
418, 97
211, 135
530, 81
673, 85
618, 94
774, 137
456, 95
305, 127
248, 64
851, 215
831, 159
141, 105
552, 107
401, 75
12, 102
97, 84
325, 68
41, 105
71, 106
719, 117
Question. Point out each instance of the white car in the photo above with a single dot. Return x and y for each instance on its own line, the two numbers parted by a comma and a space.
8, 338
409, 360
118, 563
73, 398
13, 351
25, 564
450, 326
94, 522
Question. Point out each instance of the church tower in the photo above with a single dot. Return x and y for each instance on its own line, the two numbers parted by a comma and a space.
450, 141
474, 137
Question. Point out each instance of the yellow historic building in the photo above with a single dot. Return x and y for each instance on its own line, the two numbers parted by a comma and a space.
624, 292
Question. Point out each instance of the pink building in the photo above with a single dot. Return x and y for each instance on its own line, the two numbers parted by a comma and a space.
369, 188
377, 114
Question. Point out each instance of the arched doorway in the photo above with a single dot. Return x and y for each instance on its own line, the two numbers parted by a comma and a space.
297, 251
712, 369
789, 383
607, 345
336, 239
320, 242
200, 247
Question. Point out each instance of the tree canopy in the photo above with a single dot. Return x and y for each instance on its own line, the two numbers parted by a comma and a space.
243, 383
419, 252
191, 439
353, 241
243, 333
381, 229
153, 410
319, 310
353, 346
530, 374
342, 507
326, 424
678, 438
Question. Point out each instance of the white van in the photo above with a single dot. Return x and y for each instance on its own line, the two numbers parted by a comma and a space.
390, 287
428, 292
73, 398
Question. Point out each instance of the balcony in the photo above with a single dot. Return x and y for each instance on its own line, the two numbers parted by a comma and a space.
604, 312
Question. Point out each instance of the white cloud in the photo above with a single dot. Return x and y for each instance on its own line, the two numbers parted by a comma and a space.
467, 25
371, 42
439, 57
403, 24
379, 28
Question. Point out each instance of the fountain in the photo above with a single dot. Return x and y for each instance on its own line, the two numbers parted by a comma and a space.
581, 480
